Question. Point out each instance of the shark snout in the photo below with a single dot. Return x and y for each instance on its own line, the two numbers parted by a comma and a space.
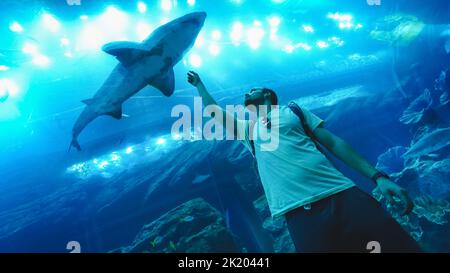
197, 17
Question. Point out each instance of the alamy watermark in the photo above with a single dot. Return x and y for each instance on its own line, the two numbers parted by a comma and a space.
73, 2
373, 2
265, 133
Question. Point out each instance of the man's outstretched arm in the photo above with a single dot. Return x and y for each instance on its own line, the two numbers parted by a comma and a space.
208, 100
342, 150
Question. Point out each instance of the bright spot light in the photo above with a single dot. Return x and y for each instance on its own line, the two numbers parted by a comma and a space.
344, 25
216, 35
129, 150
340, 17
142, 7
214, 49
337, 41
103, 164
166, 5
114, 157
237, 32
257, 23
254, 37
191, 2
15, 27
64, 41
160, 141
30, 49
143, 30
195, 60
358, 26
289, 49
304, 46
4, 68
50, 22
278, 1
41, 60
84, 17
274, 21
322, 44
308, 28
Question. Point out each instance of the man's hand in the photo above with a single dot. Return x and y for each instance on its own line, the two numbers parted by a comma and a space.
194, 78
390, 190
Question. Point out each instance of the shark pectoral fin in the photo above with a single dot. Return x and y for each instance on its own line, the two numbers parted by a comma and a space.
165, 84
117, 113
126, 52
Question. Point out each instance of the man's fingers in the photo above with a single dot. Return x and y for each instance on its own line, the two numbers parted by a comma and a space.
389, 198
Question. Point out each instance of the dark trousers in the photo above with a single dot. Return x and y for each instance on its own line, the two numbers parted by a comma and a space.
347, 222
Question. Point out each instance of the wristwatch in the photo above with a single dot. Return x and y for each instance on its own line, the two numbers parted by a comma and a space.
377, 175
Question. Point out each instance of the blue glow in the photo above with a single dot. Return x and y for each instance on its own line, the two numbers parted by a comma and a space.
4, 68
160, 141
191, 3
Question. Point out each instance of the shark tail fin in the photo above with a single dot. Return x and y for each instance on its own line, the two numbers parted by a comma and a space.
75, 144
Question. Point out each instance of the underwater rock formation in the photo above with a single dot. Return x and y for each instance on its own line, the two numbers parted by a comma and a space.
416, 110
193, 227
392, 160
277, 227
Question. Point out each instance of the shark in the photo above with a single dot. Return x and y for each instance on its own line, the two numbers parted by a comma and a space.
149, 62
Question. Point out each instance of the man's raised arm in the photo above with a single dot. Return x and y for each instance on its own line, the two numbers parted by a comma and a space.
208, 100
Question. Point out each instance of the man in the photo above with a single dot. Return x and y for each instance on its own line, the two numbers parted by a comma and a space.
324, 210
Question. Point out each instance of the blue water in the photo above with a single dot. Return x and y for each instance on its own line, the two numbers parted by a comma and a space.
376, 73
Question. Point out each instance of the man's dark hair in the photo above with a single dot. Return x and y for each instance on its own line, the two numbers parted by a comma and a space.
273, 95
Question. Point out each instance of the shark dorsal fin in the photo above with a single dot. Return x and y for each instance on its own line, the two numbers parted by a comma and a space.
126, 52
165, 83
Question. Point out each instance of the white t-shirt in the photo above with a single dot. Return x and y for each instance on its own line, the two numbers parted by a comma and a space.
295, 173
